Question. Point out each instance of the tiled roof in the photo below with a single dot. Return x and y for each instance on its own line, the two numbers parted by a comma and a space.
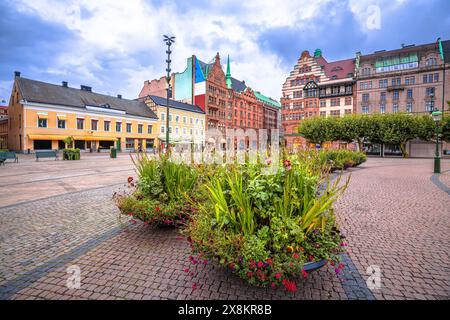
176, 104
238, 85
337, 69
42, 92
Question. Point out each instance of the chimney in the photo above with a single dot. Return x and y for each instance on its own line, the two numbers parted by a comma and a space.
85, 88
119, 96
65, 84
17, 74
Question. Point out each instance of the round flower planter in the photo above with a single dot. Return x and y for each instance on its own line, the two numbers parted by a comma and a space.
311, 266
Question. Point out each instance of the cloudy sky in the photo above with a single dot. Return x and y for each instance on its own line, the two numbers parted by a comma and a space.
114, 46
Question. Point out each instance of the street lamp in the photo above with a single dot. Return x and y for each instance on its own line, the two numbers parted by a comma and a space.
437, 115
168, 40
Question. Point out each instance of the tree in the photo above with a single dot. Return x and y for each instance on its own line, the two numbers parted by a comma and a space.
445, 128
68, 142
352, 127
399, 128
314, 130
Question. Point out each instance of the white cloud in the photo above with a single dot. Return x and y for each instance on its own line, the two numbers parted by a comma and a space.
121, 29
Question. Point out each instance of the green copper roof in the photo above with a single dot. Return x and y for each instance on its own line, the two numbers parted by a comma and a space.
317, 53
228, 75
267, 100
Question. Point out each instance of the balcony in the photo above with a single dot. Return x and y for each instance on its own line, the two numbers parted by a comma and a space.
396, 87
338, 94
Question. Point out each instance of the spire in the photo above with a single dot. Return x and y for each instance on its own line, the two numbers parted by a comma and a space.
228, 75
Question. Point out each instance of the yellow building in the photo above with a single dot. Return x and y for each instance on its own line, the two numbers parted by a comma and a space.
42, 115
186, 121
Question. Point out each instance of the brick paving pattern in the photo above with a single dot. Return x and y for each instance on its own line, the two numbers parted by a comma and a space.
392, 214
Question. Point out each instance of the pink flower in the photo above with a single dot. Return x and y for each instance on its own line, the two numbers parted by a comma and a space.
186, 270
304, 273
260, 264
344, 244
205, 262
269, 161
278, 275
194, 286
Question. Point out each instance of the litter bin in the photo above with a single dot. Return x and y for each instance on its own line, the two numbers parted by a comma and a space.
113, 152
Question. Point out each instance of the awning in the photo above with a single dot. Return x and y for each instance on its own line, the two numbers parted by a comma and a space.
61, 116
42, 116
62, 137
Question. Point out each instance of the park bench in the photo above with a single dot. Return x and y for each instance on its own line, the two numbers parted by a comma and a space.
46, 154
8, 155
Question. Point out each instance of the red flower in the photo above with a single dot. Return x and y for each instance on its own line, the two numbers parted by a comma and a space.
311, 258
269, 262
252, 264
260, 264
186, 270
130, 179
290, 249
290, 285
302, 249
296, 255
130, 214
304, 273
194, 286
231, 266
249, 274
278, 275
157, 209
205, 262
287, 163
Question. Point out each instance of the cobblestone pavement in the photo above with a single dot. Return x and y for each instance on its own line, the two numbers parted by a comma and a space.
393, 215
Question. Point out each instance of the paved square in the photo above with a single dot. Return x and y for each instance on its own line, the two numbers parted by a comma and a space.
57, 214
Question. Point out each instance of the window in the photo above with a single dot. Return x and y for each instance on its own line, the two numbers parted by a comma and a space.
395, 95
436, 77
409, 80
396, 81
118, 126
395, 108
191, 120
94, 125
80, 124
323, 103
128, 127
170, 129
348, 111
177, 118
176, 130
409, 107
383, 96
61, 124
348, 101
106, 125
365, 109
365, 97
129, 143
429, 105
184, 131
409, 94
149, 129
140, 126
163, 116
335, 113
163, 129
428, 78
365, 71
383, 83
382, 108
184, 119
431, 62
335, 102
170, 118
323, 114
429, 92
42, 122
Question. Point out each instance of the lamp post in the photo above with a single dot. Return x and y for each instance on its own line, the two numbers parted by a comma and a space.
436, 114
168, 40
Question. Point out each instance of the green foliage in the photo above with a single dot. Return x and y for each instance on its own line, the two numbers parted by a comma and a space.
393, 128
259, 224
162, 192
68, 141
341, 159
71, 154
445, 132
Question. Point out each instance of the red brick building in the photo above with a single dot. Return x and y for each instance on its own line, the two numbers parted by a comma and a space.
227, 101
316, 87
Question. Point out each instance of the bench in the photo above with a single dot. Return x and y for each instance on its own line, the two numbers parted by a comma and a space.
8, 155
46, 154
